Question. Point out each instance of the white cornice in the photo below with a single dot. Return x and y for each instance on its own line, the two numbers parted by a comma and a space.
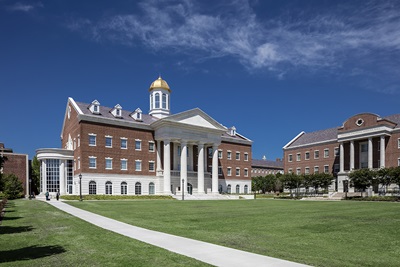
365, 133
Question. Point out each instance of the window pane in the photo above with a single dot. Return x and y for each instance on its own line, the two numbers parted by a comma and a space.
108, 142
124, 143
138, 145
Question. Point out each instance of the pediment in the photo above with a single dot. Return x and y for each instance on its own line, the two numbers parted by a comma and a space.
194, 117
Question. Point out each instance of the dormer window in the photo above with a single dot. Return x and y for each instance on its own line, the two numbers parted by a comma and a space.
95, 107
232, 131
117, 111
137, 115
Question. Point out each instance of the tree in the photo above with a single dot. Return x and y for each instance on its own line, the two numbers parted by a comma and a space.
395, 175
35, 173
384, 176
13, 187
324, 180
2, 160
362, 179
291, 181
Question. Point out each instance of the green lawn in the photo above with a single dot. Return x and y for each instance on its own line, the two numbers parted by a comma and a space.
34, 233
317, 233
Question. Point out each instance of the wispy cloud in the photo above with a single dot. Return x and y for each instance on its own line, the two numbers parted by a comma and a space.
312, 41
24, 7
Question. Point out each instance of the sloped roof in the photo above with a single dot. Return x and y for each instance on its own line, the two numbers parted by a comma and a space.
260, 163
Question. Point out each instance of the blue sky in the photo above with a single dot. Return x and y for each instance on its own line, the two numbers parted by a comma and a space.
270, 68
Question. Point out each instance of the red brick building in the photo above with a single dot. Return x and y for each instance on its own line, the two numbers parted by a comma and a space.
128, 152
363, 141
17, 164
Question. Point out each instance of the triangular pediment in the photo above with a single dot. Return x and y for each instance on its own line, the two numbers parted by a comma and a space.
195, 117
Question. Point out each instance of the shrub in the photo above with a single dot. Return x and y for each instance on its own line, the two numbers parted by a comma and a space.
375, 198
116, 197
12, 187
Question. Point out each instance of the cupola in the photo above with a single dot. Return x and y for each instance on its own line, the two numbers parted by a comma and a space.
159, 98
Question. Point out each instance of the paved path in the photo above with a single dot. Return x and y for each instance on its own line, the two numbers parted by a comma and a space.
202, 251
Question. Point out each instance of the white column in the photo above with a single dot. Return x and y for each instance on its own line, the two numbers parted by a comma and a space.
167, 167
158, 167
215, 170
351, 155
176, 157
43, 171
62, 176
184, 165
370, 153
383, 152
341, 155
200, 168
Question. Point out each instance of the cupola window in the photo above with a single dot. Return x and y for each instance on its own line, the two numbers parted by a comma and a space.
164, 101
95, 107
117, 111
157, 100
137, 115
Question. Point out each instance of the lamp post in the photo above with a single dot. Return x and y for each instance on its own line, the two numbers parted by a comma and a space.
183, 189
80, 187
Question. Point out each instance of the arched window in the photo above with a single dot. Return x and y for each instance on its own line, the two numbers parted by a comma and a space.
237, 189
157, 100
138, 188
108, 188
151, 101
228, 189
124, 188
164, 101
246, 189
151, 188
92, 188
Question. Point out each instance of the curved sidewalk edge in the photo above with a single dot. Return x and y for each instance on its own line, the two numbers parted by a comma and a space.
202, 251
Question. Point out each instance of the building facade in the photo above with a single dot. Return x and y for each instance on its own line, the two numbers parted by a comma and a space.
263, 167
363, 141
17, 164
128, 152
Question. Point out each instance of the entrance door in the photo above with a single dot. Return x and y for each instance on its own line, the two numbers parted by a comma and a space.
363, 155
189, 189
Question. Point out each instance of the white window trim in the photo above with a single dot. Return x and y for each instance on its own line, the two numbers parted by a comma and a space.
126, 160
298, 157
316, 167
307, 168
246, 172
220, 154
219, 170
229, 155
154, 169
79, 163
236, 155
305, 157
136, 161
338, 151
398, 143
229, 171
325, 168
138, 149
236, 172
290, 170
398, 162
246, 156
126, 139
326, 156
79, 140
290, 158
314, 154
108, 158
154, 146
298, 171
109, 136
95, 139
95, 162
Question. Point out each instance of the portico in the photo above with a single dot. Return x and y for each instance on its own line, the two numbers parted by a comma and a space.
182, 140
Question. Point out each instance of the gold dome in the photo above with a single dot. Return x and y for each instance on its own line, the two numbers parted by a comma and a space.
159, 83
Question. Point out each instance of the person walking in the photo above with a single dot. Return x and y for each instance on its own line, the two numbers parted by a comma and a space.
58, 195
47, 195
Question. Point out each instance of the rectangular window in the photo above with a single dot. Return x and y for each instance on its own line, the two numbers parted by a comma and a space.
138, 145
108, 163
298, 171
307, 155
326, 168
326, 153
79, 163
229, 171
124, 164
229, 155
316, 154
151, 146
237, 155
398, 162
219, 171
79, 140
138, 165
220, 154
316, 169
92, 162
246, 173
398, 143
298, 157
336, 168
237, 171
246, 156
108, 141
124, 143
307, 170
290, 157
92, 140
210, 152
151, 166
290, 171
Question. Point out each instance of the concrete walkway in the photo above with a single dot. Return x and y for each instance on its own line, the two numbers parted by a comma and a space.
202, 251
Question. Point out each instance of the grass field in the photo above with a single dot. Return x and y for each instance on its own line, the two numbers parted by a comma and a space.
317, 233
34, 233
